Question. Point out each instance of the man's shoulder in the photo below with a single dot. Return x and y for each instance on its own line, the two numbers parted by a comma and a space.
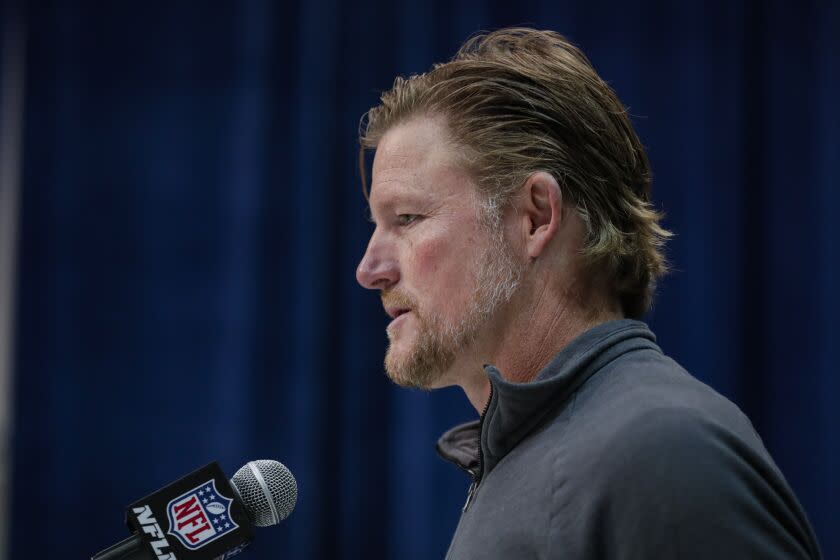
632, 396
658, 448
650, 408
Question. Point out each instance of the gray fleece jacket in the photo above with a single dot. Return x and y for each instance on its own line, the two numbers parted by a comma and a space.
615, 452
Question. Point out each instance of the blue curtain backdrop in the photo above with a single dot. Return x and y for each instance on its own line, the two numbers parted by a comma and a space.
192, 217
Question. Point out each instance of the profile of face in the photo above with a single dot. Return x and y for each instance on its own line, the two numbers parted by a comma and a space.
442, 266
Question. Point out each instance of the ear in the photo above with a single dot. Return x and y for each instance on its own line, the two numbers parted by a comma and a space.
541, 208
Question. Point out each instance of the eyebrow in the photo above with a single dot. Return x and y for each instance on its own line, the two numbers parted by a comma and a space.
389, 200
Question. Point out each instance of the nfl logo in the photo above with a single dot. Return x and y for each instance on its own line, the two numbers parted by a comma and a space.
200, 516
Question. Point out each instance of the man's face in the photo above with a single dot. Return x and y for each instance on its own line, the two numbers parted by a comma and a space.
443, 271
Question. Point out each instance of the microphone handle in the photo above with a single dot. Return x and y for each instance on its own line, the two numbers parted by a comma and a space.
132, 548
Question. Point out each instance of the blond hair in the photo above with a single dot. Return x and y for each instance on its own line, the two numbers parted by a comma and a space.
518, 101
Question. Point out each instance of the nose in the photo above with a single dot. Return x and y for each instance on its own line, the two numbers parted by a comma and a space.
378, 269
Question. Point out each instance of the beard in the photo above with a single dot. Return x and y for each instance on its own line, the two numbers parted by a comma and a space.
439, 341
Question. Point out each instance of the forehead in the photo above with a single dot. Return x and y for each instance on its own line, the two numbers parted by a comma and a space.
416, 158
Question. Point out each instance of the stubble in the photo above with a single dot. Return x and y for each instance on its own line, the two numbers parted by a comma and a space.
496, 278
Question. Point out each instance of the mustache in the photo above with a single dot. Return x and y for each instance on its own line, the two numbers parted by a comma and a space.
393, 298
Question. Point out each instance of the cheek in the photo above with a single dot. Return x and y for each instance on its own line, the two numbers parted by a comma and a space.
426, 256
441, 267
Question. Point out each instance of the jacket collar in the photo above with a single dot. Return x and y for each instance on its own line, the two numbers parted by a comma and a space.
516, 409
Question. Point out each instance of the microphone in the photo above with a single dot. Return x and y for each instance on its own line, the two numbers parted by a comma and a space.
203, 516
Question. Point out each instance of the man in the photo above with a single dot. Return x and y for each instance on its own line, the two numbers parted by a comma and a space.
515, 248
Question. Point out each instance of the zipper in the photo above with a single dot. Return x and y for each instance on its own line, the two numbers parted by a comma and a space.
477, 473
470, 494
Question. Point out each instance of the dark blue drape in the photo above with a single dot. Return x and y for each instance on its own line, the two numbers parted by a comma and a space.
192, 217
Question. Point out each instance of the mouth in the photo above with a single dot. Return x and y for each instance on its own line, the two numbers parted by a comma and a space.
398, 317
394, 312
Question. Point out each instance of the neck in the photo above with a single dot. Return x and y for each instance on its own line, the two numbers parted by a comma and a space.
527, 334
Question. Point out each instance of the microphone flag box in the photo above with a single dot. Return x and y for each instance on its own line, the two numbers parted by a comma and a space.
197, 517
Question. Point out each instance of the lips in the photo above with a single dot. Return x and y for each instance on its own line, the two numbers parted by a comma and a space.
394, 312
399, 318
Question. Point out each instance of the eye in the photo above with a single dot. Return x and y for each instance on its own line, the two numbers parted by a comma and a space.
406, 219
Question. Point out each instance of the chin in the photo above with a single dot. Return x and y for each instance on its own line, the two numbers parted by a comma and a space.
408, 369
441, 382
